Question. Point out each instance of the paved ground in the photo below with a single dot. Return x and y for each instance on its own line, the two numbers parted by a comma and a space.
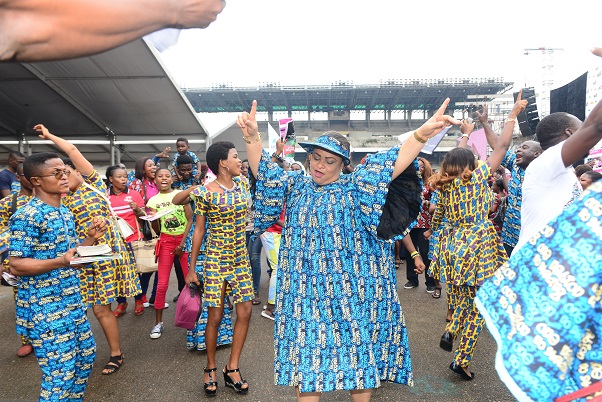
164, 370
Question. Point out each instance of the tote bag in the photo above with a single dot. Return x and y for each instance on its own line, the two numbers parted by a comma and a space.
144, 252
188, 309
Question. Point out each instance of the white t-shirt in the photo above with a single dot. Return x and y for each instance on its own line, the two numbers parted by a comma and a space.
548, 188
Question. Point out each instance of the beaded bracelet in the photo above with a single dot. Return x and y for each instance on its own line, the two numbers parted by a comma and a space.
415, 254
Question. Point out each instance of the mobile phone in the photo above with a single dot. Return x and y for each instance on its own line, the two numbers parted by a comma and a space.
290, 132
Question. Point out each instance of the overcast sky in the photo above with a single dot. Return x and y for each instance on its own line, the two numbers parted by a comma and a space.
321, 41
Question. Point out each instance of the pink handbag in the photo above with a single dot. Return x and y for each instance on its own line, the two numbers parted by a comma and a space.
188, 308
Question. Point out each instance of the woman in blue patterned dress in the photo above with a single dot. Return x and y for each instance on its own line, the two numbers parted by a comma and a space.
338, 321
469, 249
101, 282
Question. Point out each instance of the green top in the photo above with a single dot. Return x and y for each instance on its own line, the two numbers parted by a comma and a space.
174, 223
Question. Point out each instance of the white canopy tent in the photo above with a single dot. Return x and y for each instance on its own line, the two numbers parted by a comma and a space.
116, 106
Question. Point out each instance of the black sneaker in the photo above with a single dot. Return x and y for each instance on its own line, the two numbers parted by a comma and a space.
410, 285
175, 299
430, 289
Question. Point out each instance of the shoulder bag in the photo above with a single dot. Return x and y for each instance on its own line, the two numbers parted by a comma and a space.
144, 252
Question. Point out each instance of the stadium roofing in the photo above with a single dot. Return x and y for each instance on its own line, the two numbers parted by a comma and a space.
402, 94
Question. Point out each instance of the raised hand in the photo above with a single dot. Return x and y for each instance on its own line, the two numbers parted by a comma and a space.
466, 127
248, 123
483, 115
519, 105
437, 122
44, 133
165, 153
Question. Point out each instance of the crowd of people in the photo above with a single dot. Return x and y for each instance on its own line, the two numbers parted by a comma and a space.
332, 234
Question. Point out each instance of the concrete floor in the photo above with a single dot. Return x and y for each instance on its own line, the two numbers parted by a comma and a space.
164, 370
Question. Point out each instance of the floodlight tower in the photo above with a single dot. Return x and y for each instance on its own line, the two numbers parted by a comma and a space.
547, 76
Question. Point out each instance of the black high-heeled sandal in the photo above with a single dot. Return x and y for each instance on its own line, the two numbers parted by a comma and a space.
237, 386
211, 383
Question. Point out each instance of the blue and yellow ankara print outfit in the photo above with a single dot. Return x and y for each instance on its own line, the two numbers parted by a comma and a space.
49, 306
225, 258
511, 228
102, 281
338, 321
544, 307
195, 338
469, 251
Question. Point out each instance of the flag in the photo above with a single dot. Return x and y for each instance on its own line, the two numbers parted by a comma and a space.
272, 138
433, 142
478, 143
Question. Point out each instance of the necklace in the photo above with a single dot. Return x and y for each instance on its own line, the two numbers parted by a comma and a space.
226, 190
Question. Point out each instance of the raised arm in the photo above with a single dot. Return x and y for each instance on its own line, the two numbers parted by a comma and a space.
410, 149
80, 162
248, 125
503, 143
75, 28
466, 129
491, 136
183, 197
587, 136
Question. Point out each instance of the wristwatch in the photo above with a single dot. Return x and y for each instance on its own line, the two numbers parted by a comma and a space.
278, 157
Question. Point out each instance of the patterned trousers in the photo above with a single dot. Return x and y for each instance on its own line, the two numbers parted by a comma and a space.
66, 355
466, 323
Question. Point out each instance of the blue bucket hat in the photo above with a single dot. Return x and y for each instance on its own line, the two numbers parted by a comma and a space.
330, 144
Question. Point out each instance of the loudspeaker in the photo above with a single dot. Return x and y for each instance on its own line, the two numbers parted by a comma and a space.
529, 118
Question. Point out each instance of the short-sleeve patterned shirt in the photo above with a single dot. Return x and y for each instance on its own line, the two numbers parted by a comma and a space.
511, 229
41, 231
195, 160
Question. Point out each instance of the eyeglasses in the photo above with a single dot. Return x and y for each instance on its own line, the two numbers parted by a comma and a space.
58, 174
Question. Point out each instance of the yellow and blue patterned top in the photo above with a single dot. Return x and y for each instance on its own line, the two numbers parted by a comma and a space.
511, 228
544, 306
469, 249
338, 321
6, 207
102, 281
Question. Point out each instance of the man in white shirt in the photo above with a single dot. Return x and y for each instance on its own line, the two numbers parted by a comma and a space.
550, 184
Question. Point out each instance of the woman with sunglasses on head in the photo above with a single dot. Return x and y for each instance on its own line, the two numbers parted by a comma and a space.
337, 309
101, 282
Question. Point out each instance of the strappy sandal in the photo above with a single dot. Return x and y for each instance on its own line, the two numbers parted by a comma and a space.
237, 386
113, 365
120, 310
211, 383
437, 293
139, 307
